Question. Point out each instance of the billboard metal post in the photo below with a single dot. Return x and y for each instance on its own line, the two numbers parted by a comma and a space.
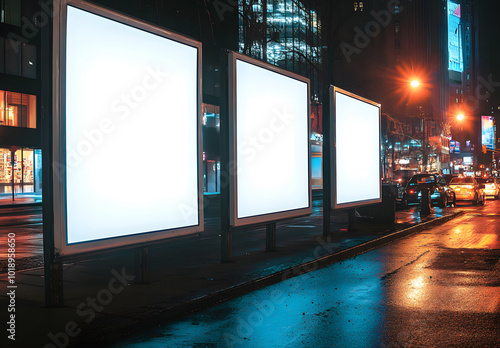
271, 237
226, 233
141, 265
351, 216
327, 171
53, 266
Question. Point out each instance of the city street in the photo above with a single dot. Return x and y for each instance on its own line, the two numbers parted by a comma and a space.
438, 288
287, 173
386, 290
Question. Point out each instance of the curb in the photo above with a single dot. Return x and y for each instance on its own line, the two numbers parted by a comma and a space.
238, 290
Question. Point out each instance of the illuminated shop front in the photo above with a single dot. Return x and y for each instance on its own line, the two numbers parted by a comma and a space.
21, 170
25, 168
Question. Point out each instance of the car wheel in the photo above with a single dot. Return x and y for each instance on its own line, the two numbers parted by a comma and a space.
475, 201
497, 196
443, 203
454, 200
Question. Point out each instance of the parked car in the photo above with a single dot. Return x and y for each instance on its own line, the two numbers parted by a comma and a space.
399, 192
492, 186
468, 189
441, 193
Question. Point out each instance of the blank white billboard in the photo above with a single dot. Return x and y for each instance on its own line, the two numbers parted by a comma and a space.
270, 123
357, 149
130, 131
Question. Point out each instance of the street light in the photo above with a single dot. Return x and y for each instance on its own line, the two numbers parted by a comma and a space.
415, 83
460, 117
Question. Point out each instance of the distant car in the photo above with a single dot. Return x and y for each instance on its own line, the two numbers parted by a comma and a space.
492, 186
441, 193
468, 189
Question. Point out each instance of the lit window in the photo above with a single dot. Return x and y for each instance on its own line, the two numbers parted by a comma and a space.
456, 100
361, 6
396, 9
355, 5
17, 109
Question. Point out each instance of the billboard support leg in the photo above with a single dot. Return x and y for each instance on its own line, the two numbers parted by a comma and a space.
271, 237
226, 245
52, 262
226, 232
142, 265
327, 170
55, 298
351, 220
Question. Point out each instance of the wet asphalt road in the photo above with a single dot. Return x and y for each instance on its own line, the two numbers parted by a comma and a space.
438, 288
26, 224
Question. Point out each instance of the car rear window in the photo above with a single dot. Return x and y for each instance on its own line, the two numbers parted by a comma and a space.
418, 180
461, 181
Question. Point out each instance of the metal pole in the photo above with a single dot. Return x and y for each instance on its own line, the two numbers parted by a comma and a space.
226, 233
12, 154
142, 265
271, 237
328, 142
351, 220
53, 266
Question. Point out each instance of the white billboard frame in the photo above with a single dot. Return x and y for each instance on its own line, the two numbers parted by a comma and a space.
140, 238
334, 158
236, 221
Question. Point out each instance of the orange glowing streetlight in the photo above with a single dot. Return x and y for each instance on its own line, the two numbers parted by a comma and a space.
415, 83
460, 117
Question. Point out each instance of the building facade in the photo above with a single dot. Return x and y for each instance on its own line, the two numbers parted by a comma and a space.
20, 123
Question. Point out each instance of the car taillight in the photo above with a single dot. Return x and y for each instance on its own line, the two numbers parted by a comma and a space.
412, 192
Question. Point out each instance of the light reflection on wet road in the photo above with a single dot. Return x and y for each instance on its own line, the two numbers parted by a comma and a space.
438, 288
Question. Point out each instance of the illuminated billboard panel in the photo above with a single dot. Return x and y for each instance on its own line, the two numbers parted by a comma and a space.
129, 140
455, 53
488, 130
270, 137
357, 165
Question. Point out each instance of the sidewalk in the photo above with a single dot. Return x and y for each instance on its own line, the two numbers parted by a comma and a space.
102, 303
20, 199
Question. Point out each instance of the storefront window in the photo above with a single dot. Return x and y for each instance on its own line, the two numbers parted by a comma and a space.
17, 109
5, 167
27, 171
